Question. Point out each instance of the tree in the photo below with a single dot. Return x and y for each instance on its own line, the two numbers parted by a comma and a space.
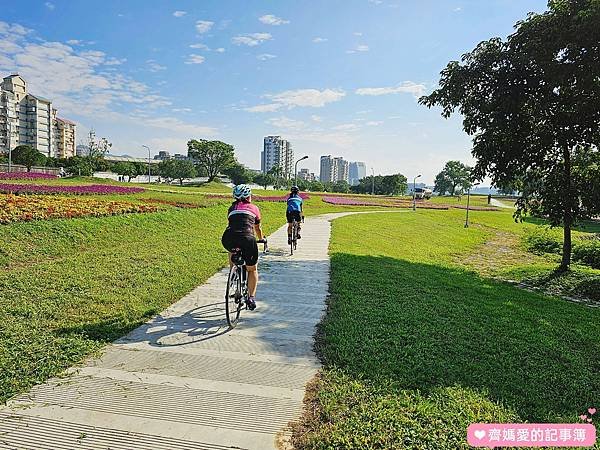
394, 184
531, 105
211, 156
238, 174
455, 175
264, 180
125, 169
166, 169
341, 186
183, 169
78, 165
27, 156
316, 186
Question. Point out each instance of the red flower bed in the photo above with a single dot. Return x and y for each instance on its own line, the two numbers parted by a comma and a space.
90, 189
349, 201
26, 176
173, 203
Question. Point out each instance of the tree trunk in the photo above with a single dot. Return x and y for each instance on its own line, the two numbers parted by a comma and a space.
567, 214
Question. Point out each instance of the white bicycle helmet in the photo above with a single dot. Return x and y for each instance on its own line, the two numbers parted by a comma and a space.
241, 191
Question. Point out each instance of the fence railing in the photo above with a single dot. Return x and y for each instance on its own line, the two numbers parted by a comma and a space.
35, 169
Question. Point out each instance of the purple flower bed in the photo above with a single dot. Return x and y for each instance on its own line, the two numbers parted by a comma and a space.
91, 189
26, 176
348, 201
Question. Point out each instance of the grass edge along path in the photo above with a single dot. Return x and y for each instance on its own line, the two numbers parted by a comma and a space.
415, 348
69, 286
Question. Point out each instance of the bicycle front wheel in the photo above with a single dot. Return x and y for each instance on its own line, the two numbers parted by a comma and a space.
233, 297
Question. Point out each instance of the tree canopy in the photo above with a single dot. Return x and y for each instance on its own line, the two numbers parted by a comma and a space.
455, 175
212, 157
238, 174
27, 156
175, 169
383, 185
531, 104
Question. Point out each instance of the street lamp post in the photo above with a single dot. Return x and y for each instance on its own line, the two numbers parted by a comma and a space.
372, 181
468, 202
414, 192
296, 169
145, 146
9, 140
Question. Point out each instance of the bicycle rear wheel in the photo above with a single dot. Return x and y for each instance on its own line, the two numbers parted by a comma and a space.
293, 237
233, 297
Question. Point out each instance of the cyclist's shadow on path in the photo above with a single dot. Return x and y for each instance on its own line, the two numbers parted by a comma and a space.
199, 324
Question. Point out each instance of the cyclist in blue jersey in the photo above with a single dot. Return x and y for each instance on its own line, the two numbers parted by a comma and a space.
294, 211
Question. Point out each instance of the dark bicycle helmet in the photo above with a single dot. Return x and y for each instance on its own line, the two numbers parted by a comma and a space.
295, 189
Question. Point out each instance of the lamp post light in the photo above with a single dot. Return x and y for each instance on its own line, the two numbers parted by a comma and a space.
372, 181
296, 169
414, 192
145, 146
468, 201
9, 141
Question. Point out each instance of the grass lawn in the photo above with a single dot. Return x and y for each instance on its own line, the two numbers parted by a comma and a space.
416, 345
69, 286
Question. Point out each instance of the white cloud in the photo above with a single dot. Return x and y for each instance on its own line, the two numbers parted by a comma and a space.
181, 109
374, 123
286, 123
457, 9
376, 2
270, 19
299, 98
74, 42
200, 46
318, 40
50, 5
195, 59
346, 127
251, 40
266, 56
153, 66
406, 87
357, 33
79, 82
203, 26
179, 13
220, 50
307, 97
359, 48
264, 108
316, 118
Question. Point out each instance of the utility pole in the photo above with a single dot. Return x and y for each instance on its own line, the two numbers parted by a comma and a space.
372, 181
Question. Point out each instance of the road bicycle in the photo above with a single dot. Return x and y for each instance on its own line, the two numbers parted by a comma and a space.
295, 232
236, 294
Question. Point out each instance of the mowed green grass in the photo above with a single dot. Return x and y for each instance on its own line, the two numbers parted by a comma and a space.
416, 347
69, 286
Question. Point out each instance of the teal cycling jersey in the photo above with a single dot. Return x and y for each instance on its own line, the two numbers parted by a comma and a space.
294, 203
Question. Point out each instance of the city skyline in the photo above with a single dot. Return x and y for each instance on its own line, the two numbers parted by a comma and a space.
245, 70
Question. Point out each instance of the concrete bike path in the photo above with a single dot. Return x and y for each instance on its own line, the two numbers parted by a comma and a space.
183, 380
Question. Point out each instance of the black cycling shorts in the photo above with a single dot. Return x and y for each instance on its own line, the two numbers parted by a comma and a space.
293, 215
245, 242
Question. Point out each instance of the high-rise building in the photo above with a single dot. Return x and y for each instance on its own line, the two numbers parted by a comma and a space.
357, 171
277, 152
27, 119
341, 169
305, 175
328, 171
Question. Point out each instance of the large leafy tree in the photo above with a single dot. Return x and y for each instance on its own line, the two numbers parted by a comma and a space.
212, 157
393, 184
125, 169
27, 156
454, 178
531, 104
238, 174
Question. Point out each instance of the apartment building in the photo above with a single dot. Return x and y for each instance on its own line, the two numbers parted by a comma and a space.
27, 119
305, 175
333, 169
357, 170
277, 152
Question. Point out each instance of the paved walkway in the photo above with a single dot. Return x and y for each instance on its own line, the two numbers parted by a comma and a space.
184, 381
502, 204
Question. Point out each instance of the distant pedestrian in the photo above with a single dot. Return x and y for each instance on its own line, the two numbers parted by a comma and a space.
489, 198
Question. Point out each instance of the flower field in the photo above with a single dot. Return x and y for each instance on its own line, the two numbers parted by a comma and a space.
262, 198
390, 202
17, 208
26, 176
90, 189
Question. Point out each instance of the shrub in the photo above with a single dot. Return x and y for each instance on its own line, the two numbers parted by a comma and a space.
542, 240
588, 253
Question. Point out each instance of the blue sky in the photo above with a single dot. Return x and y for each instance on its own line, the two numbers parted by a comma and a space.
336, 77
